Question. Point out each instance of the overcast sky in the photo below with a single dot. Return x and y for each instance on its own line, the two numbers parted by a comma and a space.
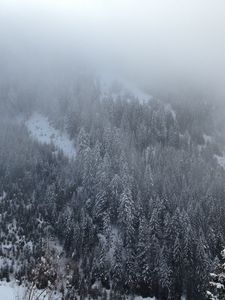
158, 42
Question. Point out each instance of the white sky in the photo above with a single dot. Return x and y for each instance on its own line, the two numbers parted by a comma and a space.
162, 41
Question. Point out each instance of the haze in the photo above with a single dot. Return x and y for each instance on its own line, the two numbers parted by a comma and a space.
162, 45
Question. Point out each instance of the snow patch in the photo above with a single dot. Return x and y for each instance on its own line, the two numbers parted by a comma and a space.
41, 130
220, 160
115, 86
169, 108
6, 293
218, 285
10, 291
3, 195
207, 138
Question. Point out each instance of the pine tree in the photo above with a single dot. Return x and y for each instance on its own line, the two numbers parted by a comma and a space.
101, 265
164, 272
143, 273
216, 289
126, 216
117, 267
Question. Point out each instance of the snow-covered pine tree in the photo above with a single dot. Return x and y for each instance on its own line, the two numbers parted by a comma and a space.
216, 289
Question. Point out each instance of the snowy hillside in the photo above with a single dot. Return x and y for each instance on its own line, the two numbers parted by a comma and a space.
6, 293
115, 86
41, 130
9, 291
142, 168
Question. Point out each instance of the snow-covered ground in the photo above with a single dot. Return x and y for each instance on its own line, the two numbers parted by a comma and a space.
220, 160
207, 138
6, 293
3, 195
9, 291
169, 108
41, 130
115, 85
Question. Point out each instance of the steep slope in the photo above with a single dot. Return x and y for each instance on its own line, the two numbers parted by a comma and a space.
40, 129
129, 191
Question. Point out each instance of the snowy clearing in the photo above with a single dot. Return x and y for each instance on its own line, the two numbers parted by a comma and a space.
9, 291
169, 108
41, 130
117, 86
207, 138
220, 160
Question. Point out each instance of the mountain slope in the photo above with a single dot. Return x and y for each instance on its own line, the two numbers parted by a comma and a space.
137, 210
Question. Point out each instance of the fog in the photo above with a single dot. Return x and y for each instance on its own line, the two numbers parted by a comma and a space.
112, 149
162, 45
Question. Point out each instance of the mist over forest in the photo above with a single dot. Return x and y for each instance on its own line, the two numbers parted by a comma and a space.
112, 150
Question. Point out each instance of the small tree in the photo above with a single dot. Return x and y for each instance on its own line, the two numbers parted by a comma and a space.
217, 281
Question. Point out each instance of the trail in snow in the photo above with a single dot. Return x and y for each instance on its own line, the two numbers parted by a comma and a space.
41, 130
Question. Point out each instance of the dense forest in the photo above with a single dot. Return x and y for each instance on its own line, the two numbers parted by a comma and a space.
138, 211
